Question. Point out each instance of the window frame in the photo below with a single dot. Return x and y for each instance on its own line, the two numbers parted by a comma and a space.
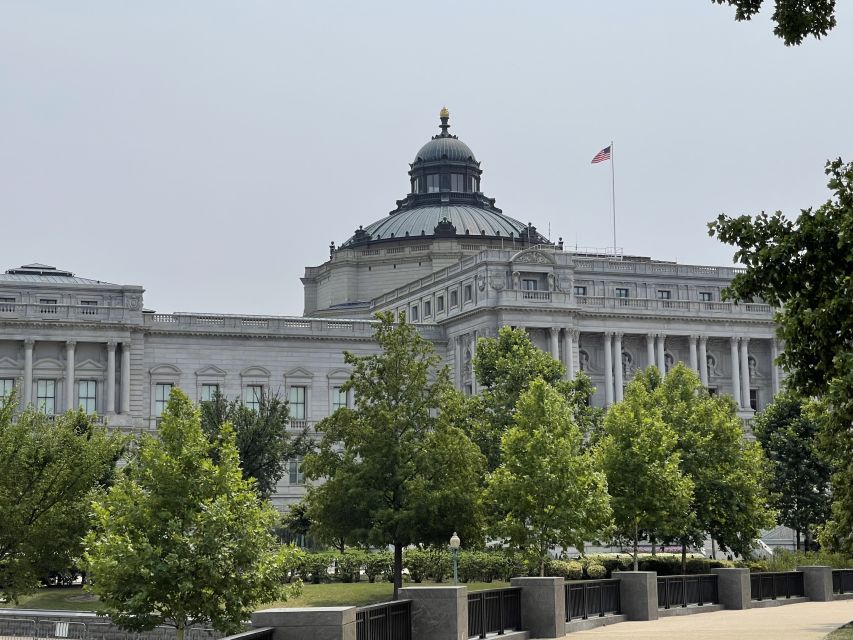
160, 403
206, 386
43, 406
580, 290
91, 401
664, 294
6, 388
252, 395
292, 403
706, 296
622, 292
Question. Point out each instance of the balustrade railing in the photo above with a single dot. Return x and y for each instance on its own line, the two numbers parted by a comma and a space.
779, 584
590, 598
842, 581
494, 611
385, 621
681, 591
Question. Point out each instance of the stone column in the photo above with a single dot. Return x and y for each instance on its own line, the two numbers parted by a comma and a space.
569, 352
661, 340
555, 343
774, 369
735, 373
617, 366
817, 583
438, 613
638, 592
650, 350
458, 359
733, 588
69, 374
543, 605
111, 378
309, 623
125, 377
744, 372
608, 368
473, 353
703, 359
29, 343
694, 357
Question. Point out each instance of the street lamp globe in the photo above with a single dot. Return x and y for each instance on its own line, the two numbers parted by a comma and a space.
455, 541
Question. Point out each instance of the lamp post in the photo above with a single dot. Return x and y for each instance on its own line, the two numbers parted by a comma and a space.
454, 551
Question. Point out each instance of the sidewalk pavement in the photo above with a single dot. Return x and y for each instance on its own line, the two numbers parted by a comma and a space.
806, 621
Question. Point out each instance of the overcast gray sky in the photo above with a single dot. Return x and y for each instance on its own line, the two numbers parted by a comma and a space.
209, 150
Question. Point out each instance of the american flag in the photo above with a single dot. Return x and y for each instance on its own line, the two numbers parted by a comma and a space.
602, 155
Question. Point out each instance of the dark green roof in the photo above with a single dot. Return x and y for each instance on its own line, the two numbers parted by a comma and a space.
445, 148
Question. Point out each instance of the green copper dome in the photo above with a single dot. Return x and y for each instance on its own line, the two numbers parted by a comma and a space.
449, 148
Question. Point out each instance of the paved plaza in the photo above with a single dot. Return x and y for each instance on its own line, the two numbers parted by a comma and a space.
806, 621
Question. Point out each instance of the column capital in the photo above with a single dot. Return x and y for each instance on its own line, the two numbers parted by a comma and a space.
609, 334
111, 345
693, 337
575, 333
744, 340
734, 339
619, 334
70, 344
555, 330
29, 342
703, 339
651, 336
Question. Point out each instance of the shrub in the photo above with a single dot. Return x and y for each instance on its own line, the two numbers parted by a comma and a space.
350, 563
315, 567
438, 564
474, 565
596, 571
417, 564
378, 564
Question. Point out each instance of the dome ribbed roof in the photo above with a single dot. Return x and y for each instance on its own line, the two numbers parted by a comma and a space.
468, 220
445, 148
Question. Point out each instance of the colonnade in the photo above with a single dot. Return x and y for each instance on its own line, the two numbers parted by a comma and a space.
69, 393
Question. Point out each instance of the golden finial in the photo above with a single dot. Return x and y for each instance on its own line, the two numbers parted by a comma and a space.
444, 113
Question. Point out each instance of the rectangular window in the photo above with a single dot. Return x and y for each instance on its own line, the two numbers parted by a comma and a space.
86, 395
415, 186
473, 184
580, 290
439, 304
529, 285
89, 307
664, 294
427, 308
208, 392
753, 399
294, 471
339, 399
46, 396
706, 296
48, 305
457, 182
297, 402
454, 299
432, 183
621, 292
468, 293
252, 396
413, 315
6, 386
161, 397
7, 304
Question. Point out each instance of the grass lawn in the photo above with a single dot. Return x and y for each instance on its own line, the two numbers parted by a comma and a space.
338, 594
842, 633
62, 598
334, 594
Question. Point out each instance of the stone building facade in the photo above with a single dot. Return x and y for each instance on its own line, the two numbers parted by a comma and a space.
447, 257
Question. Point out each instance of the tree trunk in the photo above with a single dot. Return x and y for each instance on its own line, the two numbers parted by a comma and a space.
398, 568
713, 550
636, 543
798, 539
683, 558
654, 546
179, 632
808, 537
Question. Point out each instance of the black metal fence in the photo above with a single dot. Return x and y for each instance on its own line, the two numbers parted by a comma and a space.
586, 598
494, 611
842, 581
773, 585
680, 591
385, 621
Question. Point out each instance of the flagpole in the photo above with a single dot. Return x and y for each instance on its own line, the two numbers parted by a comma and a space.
613, 192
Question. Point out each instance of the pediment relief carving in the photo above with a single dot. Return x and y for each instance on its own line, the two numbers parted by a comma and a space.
339, 374
210, 371
8, 363
165, 370
532, 256
90, 365
255, 372
299, 372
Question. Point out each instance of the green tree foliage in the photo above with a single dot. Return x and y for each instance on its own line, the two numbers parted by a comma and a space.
183, 539
263, 440
729, 499
49, 470
546, 490
795, 19
637, 452
397, 471
787, 430
804, 267
505, 366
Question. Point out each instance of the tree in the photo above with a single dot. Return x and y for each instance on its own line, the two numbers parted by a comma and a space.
637, 452
48, 472
795, 19
729, 499
505, 366
787, 430
263, 440
397, 470
547, 490
804, 267
183, 539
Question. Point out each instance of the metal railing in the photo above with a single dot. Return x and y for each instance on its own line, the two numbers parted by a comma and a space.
772, 585
681, 591
842, 581
585, 598
384, 621
494, 611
